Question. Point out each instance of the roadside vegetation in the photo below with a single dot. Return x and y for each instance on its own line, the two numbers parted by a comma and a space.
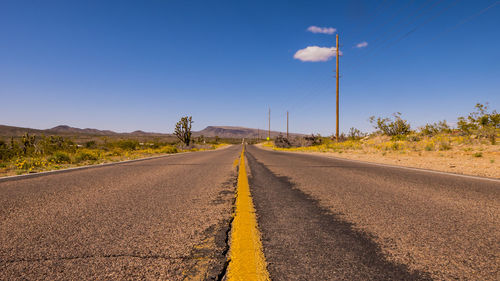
36, 153
470, 147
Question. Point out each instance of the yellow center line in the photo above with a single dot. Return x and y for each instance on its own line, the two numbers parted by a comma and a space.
247, 261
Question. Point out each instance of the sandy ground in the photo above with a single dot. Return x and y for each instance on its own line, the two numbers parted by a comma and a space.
459, 162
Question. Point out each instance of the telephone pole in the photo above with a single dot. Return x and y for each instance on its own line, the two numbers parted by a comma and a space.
258, 133
287, 124
337, 56
269, 131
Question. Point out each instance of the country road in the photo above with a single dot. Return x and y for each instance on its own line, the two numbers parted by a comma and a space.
160, 219
319, 218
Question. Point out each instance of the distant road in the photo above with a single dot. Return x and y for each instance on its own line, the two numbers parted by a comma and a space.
320, 219
161, 219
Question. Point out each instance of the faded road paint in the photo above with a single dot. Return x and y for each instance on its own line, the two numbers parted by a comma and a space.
247, 261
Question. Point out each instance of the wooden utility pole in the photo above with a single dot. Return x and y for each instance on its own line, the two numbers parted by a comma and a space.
337, 56
287, 124
269, 131
258, 134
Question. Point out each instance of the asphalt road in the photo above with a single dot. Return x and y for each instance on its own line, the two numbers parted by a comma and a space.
320, 219
332, 219
160, 219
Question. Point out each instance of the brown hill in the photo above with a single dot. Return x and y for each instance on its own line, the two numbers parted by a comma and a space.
64, 130
237, 132
210, 131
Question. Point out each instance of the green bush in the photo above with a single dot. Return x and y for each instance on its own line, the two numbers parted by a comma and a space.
6, 152
482, 122
435, 128
60, 157
91, 144
127, 144
85, 156
398, 138
169, 149
391, 127
395, 146
355, 134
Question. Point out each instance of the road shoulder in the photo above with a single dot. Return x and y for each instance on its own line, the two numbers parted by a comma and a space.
435, 165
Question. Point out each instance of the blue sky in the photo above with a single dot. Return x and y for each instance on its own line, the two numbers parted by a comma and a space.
129, 65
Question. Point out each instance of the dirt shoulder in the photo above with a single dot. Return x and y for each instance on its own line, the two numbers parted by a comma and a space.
484, 164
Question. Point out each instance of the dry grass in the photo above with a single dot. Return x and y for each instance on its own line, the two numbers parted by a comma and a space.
85, 156
457, 154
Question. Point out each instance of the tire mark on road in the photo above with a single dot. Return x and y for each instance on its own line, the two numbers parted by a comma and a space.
303, 241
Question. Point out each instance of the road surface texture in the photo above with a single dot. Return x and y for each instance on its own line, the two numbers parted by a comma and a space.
159, 219
319, 218
332, 219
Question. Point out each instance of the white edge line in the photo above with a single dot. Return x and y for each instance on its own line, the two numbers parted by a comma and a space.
46, 173
388, 165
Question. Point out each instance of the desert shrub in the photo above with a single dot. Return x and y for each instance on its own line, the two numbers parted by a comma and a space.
169, 149
115, 152
413, 138
86, 156
398, 137
49, 145
435, 128
478, 154
444, 146
28, 144
127, 144
60, 157
395, 146
355, 134
6, 152
201, 139
482, 122
282, 142
183, 129
391, 127
313, 140
91, 144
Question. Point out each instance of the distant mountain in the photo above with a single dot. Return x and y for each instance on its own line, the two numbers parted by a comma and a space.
8, 131
11, 131
210, 131
237, 132
64, 129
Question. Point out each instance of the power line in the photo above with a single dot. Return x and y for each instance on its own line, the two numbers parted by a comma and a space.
393, 17
388, 45
424, 23
421, 12
371, 19
463, 21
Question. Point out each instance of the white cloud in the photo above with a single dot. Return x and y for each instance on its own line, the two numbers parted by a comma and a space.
315, 53
324, 30
362, 44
